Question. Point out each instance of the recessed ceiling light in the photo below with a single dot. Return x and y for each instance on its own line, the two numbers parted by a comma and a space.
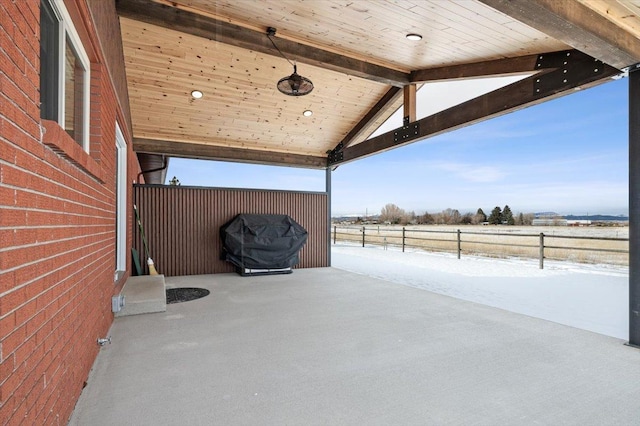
414, 37
196, 94
307, 113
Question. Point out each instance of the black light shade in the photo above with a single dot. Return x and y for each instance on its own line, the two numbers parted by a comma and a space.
295, 84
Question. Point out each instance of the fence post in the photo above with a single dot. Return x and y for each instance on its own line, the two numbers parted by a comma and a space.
335, 234
403, 239
541, 250
459, 250
363, 236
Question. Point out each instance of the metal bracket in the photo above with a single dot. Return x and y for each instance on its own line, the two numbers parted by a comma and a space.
553, 60
406, 132
335, 157
336, 154
571, 66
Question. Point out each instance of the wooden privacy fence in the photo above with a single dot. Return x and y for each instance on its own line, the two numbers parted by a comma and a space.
542, 246
182, 224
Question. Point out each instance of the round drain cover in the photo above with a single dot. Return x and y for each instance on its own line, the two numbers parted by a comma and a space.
177, 295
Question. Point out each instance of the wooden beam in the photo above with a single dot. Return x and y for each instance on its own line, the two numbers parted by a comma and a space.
409, 103
580, 71
224, 153
529, 63
493, 68
577, 25
203, 26
379, 109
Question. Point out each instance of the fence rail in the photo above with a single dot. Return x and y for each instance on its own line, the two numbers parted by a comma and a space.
607, 250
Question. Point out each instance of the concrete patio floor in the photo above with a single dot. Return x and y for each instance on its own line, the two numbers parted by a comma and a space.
329, 347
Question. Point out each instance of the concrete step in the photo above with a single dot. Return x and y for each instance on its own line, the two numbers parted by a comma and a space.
143, 295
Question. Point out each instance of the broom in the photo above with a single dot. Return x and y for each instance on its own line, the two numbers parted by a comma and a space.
152, 268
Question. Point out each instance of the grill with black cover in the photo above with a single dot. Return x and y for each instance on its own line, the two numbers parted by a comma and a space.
260, 244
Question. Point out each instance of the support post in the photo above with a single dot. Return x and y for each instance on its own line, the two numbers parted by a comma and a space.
459, 244
328, 191
363, 228
409, 103
634, 205
403, 237
541, 255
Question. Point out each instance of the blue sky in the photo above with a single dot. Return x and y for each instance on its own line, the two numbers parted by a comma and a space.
569, 155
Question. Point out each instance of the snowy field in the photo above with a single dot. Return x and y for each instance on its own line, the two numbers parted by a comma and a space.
574, 231
590, 297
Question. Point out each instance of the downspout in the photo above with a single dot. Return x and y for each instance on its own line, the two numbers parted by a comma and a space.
165, 164
634, 205
328, 190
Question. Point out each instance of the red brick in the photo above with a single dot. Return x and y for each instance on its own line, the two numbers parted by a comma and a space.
7, 324
17, 96
10, 301
7, 196
7, 236
7, 281
6, 23
19, 413
58, 217
7, 367
12, 382
6, 411
20, 256
28, 161
25, 313
11, 342
27, 350
11, 218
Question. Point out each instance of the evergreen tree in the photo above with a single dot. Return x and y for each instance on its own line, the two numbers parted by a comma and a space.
507, 216
495, 218
480, 216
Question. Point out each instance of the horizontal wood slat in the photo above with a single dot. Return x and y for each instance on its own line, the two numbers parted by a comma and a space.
182, 224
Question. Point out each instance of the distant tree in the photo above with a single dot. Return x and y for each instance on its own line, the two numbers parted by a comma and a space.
528, 218
450, 216
507, 216
392, 214
439, 219
425, 219
408, 218
520, 219
479, 217
466, 219
495, 218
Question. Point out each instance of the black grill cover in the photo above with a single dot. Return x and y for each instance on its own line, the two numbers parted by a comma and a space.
262, 241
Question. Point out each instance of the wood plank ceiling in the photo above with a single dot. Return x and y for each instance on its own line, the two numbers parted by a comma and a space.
360, 62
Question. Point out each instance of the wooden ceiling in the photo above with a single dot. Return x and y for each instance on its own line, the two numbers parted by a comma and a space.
362, 66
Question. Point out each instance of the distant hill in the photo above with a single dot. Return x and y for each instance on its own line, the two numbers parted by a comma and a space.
592, 217
598, 218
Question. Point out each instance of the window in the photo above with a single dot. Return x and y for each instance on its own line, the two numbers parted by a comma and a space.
64, 73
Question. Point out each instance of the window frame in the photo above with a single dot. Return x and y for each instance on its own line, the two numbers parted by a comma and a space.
121, 202
67, 31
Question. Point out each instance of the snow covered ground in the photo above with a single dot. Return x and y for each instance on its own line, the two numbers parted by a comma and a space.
590, 297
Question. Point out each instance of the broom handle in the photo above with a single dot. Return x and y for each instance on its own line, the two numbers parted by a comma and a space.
144, 240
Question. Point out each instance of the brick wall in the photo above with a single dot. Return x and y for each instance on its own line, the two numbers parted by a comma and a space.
57, 229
